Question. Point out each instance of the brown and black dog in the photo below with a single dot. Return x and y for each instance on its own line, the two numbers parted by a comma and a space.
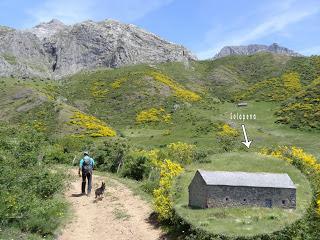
99, 191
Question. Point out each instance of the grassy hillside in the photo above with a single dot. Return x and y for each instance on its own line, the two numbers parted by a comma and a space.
308, 68
137, 117
230, 75
303, 110
118, 95
200, 128
274, 89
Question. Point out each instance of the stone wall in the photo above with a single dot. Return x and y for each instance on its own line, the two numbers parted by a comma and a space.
197, 192
235, 196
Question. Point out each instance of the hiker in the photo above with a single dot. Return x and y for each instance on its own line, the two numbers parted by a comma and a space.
86, 167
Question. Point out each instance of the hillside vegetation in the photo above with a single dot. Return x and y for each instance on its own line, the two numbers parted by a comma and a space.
151, 123
303, 110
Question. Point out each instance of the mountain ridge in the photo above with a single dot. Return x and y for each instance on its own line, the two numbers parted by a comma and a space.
56, 50
255, 48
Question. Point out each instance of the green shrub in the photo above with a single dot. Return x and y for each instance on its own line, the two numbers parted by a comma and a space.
72, 144
46, 183
111, 154
29, 188
136, 167
152, 181
55, 154
44, 216
201, 156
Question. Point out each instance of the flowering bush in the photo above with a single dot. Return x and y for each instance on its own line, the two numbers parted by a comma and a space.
291, 81
303, 111
161, 174
98, 89
181, 152
153, 115
270, 90
305, 162
227, 130
153, 155
179, 90
118, 82
94, 127
162, 196
39, 125
159, 168
273, 89
227, 136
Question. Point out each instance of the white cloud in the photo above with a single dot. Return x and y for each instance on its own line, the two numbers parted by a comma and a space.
72, 11
311, 51
67, 11
273, 24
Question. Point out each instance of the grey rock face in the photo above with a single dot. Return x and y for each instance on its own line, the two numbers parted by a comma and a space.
46, 30
22, 54
54, 50
255, 48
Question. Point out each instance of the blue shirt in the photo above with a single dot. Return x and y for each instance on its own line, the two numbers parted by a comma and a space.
91, 162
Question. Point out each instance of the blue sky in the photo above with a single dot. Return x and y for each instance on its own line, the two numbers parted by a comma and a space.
203, 26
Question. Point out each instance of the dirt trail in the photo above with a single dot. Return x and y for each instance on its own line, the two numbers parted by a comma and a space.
120, 215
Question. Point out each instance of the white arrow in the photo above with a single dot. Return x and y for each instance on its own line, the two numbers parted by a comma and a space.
247, 142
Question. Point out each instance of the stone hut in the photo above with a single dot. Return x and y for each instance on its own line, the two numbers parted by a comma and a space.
235, 189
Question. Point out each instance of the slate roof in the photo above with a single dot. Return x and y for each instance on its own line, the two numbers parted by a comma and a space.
257, 179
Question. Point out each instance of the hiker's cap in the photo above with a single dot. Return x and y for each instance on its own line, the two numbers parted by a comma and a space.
85, 153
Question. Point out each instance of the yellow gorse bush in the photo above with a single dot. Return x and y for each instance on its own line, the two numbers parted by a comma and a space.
98, 89
181, 152
153, 115
275, 89
288, 153
162, 197
304, 109
318, 205
298, 106
153, 155
227, 130
94, 127
291, 154
179, 90
169, 169
118, 82
307, 159
39, 125
291, 81
278, 153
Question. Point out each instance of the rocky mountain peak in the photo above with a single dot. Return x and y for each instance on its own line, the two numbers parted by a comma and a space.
54, 50
47, 29
255, 48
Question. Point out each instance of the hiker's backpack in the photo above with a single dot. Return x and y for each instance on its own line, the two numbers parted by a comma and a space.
86, 166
